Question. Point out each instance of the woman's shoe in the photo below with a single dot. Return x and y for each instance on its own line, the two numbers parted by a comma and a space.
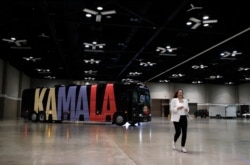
173, 145
183, 150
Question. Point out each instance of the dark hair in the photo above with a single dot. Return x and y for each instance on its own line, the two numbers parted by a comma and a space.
175, 95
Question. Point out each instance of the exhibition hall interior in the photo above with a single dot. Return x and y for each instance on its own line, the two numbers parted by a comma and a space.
90, 81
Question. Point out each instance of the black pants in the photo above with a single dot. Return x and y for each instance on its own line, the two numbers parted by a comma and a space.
181, 127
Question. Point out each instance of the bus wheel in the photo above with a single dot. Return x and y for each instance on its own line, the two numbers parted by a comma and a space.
33, 116
42, 116
120, 119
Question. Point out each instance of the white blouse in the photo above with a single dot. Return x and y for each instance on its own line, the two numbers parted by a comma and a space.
175, 114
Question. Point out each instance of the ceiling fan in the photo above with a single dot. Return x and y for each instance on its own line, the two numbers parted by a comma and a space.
43, 36
193, 8
99, 14
32, 58
94, 45
196, 21
17, 42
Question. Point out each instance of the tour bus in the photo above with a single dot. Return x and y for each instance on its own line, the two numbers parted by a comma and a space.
117, 103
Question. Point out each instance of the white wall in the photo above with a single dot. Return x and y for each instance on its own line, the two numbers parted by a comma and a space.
222, 94
159, 90
199, 93
244, 92
12, 81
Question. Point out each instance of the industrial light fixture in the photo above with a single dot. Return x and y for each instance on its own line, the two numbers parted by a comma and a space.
197, 82
206, 20
197, 22
90, 72
166, 50
32, 59
228, 54
134, 74
13, 40
145, 64
178, 75
98, 14
50, 77
163, 81
43, 36
215, 76
43, 71
93, 45
199, 66
229, 83
243, 69
193, 8
128, 81
89, 78
92, 61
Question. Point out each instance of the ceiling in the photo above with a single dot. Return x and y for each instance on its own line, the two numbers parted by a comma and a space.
129, 40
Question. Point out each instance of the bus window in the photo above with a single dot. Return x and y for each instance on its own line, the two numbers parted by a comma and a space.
142, 99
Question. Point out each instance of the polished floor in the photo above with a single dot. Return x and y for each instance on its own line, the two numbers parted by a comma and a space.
209, 142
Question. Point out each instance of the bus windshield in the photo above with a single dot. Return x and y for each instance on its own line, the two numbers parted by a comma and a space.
144, 97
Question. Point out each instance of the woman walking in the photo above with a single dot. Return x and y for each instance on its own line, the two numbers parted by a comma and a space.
179, 111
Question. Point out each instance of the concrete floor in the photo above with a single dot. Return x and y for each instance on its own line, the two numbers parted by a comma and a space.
209, 142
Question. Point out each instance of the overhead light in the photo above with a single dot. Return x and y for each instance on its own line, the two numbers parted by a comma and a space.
99, 14
92, 61
205, 17
197, 22
43, 36
32, 59
193, 8
166, 50
243, 69
199, 66
229, 83
163, 81
128, 81
230, 54
90, 72
234, 53
179, 75
197, 82
225, 54
93, 45
17, 42
170, 49
145, 64
43, 71
89, 78
99, 8
50, 77
134, 74
215, 76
